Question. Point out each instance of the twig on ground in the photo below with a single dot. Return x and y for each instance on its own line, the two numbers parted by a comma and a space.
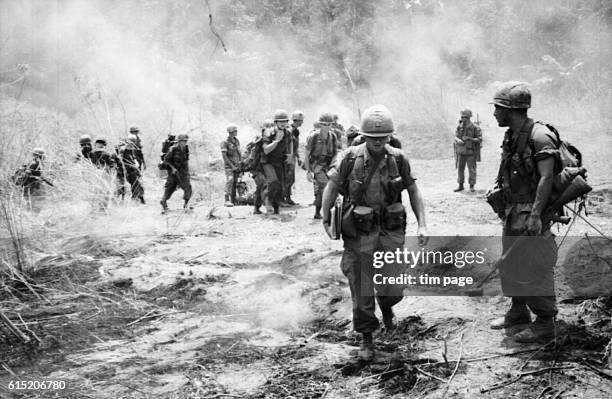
450, 379
548, 388
429, 375
521, 375
596, 370
540, 349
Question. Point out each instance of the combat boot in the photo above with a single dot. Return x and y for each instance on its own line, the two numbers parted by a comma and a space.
518, 314
228, 203
317, 214
460, 188
276, 212
366, 351
290, 202
186, 205
256, 211
472, 188
542, 329
164, 204
387, 316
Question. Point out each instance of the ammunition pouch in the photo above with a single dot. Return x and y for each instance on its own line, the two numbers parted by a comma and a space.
364, 219
498, 199
394, 217
396, 185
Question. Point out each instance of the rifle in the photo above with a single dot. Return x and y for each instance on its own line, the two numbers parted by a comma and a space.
46, 181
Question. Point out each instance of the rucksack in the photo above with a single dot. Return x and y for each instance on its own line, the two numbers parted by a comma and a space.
253, 154
20, 177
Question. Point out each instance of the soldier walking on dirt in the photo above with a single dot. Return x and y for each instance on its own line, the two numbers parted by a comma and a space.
177, 163
230, 151
468, 138
321, 151
252, 163
276, 142
371, 177
526, 175
293, 156
129, 169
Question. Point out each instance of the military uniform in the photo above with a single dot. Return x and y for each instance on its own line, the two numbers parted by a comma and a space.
273, 165
231, 148
292, 157
357, 260
469, 137
177, 158
321, 153
256, 173
129, 169
102, 159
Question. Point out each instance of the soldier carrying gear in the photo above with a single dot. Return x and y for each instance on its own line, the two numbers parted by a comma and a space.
177, 163
230, 151
128, 168
276, 142
351, 133
293, 156
166, 145
85, 143
135, 131
29, 176
371, 177
252, 163
321, 150
526, 177
468, 138
100, 157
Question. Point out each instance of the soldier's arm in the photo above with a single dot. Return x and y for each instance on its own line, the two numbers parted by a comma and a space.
477, 135
270, 145
329, 198
544, 189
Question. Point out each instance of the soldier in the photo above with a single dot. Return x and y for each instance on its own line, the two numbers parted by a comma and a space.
351, 133
393, 141
177, 163
85, 143
100, 157
371, 177
134, 130
321, 150
275, 141
338, 130
467, 148
30, 175
129, 169
230, 150
293, 156
252, 158
526, 174
167, 144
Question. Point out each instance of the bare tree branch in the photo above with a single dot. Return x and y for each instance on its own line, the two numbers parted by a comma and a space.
210, 23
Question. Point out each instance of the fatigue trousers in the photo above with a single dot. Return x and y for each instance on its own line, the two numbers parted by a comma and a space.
120, 186
470, 161
231, 178
289, 179
527, 275
175, 180
319, 181
133, 178
274, 183
357, 266
260, 184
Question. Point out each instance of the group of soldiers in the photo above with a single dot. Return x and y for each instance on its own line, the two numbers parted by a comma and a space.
372, 176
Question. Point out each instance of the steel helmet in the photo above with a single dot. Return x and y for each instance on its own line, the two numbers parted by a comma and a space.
85, 139
182, 137
297, 115
281, 115
513, 95
326, 117
38, 152
132, 138
134, 129
267, 123
467, 113
377, 121
232, 128
101, 140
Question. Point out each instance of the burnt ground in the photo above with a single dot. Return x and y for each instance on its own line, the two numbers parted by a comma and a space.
221, 303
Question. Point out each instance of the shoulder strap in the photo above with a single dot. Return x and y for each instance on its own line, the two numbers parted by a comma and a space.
524, 136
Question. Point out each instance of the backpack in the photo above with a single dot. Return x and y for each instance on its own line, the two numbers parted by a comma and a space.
20, 177
254, 152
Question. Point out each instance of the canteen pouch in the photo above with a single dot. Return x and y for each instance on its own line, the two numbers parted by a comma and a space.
394, 216
364, 219
348, 223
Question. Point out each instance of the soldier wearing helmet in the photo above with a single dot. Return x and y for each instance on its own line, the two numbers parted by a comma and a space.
100, 157
29, 176
85, 143
371, 177
468, 138
338, 130
134, 137
230, 151
525, 176
321, 150
176, 161
293, 156
128, 160
276, 143
360, 139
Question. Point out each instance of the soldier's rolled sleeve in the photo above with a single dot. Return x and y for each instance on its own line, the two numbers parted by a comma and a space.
406, 172
339, 170
544, 143
224, 146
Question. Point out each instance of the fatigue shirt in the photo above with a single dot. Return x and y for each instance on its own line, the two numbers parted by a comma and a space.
178, 158
231, 147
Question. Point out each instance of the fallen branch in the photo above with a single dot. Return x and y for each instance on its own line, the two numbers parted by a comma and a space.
521, 375
596, 370
429, 375
458, 360
13, 329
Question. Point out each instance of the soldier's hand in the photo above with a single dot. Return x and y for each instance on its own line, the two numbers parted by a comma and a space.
279, 135
466, 138
534, 225
309, 176
423, 235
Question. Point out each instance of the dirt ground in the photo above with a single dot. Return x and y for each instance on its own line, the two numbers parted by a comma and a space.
220, 303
